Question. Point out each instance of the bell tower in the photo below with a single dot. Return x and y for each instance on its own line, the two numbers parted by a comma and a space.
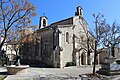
79, 11
43, 22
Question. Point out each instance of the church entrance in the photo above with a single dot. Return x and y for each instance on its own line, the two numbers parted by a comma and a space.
83, 59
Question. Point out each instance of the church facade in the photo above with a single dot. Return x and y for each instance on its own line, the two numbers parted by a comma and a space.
60, 43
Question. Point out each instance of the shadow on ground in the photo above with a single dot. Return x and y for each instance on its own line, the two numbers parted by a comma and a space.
4, 73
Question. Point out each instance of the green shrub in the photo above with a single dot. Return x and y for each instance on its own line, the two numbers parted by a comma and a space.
2, 62
70, 64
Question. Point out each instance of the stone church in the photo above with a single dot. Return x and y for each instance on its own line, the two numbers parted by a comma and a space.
59, 43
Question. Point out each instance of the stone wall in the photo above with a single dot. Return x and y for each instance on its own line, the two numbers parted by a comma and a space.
105, 53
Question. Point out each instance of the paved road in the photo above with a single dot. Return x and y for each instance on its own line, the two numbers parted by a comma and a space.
70, 73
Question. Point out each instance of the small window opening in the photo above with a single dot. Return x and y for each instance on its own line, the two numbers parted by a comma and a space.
67, 37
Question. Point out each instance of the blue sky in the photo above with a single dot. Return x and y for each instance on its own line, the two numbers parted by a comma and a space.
57, 10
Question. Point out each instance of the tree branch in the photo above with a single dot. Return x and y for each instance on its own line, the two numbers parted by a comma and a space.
18, 18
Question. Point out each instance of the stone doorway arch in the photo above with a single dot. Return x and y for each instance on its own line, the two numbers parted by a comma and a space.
83, 59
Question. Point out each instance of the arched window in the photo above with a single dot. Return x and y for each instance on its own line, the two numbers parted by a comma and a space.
44, 22
67, 37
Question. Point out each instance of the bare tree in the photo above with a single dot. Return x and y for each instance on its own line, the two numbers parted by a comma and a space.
99, 22
94, 39
14, 15
105, 35
88, 43
111, 37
